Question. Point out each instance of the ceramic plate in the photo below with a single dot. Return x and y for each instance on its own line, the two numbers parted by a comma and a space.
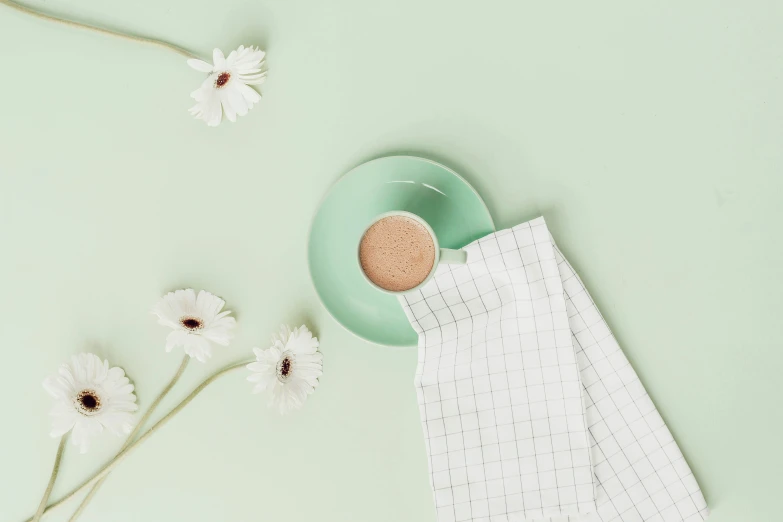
447, 202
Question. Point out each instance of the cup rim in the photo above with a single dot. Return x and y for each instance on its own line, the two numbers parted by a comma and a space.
419, 220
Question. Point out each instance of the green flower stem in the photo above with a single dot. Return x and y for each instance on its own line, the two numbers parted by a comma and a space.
100, 30
52, 478
133, 434
109, 466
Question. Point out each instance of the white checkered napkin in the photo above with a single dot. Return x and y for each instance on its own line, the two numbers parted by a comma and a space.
530, 409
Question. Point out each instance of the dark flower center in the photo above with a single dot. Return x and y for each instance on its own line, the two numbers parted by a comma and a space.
222, 79
191, 323
88, 402
285, 368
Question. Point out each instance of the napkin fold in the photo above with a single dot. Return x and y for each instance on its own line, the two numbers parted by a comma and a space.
529, 407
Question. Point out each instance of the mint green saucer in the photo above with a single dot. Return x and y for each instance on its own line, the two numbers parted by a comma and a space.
447, 202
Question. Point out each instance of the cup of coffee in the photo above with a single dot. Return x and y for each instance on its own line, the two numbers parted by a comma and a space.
399, 253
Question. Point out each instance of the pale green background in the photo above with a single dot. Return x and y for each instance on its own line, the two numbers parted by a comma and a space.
648, 135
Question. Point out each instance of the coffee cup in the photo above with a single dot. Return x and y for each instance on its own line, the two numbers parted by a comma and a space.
399, 253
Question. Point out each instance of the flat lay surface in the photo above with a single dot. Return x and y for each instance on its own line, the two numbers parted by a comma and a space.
648, 136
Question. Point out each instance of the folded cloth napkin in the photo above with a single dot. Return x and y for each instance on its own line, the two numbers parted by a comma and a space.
529, 407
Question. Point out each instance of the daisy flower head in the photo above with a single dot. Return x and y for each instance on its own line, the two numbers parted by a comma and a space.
289, 369
227, 86
197, 321
90, 396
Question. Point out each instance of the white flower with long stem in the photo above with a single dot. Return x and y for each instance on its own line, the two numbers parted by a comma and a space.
132, 437
197, 321
90, 396
289, 369
128, 448
227, 86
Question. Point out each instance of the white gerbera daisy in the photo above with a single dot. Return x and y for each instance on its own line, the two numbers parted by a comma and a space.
197, 322
90, 396
227, 84
289, 369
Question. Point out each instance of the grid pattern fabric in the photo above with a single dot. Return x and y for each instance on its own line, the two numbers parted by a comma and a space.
529, 407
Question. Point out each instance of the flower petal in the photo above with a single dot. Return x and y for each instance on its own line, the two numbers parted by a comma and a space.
237, 101
218, 59
63, 422
215, 115
228, 110
232, 57
57, 387
249, 58
220, 334
253, 79
251, 95
198, 347
208, 305
200, 65
172, 306
176, 338
119, 423
302, 341
84, 431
